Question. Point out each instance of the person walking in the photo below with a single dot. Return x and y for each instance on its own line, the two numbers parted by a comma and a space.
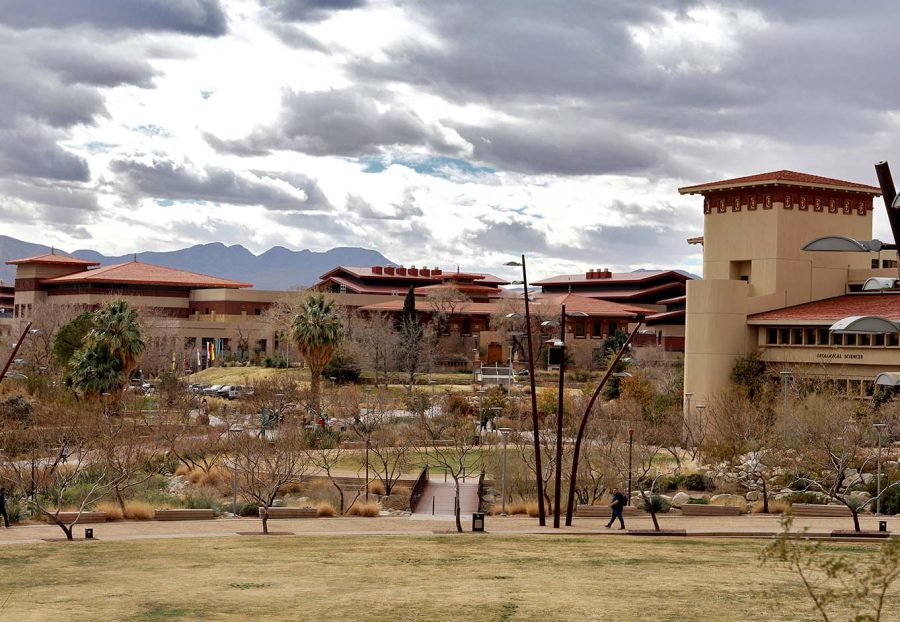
3, 507
617, 506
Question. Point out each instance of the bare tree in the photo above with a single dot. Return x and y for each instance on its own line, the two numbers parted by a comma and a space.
377, 339
451, 441
390, 443
266, 466
444, 303
128, 452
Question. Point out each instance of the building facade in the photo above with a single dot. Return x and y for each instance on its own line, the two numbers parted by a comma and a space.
761, 292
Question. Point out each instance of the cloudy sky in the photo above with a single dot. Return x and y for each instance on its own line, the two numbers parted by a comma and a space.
440, 133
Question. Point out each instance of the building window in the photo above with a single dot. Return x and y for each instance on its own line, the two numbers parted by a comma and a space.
16, 311
878, 340
823, 336
835, 339
865, 340
875, 264
597, 329
784, 336
579, 329
797, 336
257, 311
810, 336
772, 336
850, 339
613, 328
467, 327
893, 340
888, 263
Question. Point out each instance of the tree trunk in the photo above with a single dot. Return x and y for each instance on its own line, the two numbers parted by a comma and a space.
314, 376
765, 493
265, 523
67, 529
456, 509
855, 519
120, 500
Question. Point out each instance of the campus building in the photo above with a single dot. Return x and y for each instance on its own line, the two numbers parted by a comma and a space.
761, 292
663, 291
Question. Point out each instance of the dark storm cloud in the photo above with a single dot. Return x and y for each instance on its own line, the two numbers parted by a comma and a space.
514, 236
567, 145
181, 182
345, 122
29, 150
615, 245
406, 209
62, 196
309, 10
198, 17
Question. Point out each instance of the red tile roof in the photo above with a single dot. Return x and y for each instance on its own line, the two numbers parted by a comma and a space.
617, 277
139, 273
592, 306
53, 259
832, 309
672, 301
367, 273
475, 289
788, 178
664, 317
423, 306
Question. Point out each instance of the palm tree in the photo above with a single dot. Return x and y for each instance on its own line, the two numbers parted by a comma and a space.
110, 352
317, 330
116, 325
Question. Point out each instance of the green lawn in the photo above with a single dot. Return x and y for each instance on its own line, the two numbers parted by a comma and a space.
470, 577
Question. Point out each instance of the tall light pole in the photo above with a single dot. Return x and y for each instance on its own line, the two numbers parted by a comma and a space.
879, 427
630, 449
700, 408
432, 382
232, 433
687, 418
504, 432
15, 350
786, 377
542, 518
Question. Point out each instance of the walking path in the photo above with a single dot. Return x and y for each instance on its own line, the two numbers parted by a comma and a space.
438, 498
743, 526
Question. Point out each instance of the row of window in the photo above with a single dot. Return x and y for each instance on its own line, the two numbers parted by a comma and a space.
822, 337
22, 310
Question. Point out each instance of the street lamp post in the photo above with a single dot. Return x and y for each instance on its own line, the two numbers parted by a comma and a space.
879, 427
786, 377
233, 432
630, 448
432, 382
700, 408
542, 519
687, 418
504, 432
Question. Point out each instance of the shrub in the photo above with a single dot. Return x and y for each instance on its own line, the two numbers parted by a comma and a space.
112, 509
804, 497
15, 510
660, 505
139, 510
376, 487
203, 498
890, 501
698, 501
698, 482
251, 508
325, 509
776, 506
362, 508
519, 506
343, 367
182, 469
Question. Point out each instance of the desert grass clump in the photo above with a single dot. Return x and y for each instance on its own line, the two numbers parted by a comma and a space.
139, 510
182, 469
111, 508
532, 508
376, 487
325, 509
368, 509
732, 501
776, 506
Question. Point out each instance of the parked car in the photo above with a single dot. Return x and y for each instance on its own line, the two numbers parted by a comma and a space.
213, 390
196, 387
225, 391
235, 392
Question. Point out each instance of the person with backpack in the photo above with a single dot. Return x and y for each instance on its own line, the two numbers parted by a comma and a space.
617, 506
3, 507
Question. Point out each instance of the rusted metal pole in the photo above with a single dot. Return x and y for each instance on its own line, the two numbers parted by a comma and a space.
557, 487
570, 508
539, 472
889, 193
15, 351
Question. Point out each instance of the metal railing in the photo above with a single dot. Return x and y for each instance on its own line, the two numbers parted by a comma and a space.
417, 489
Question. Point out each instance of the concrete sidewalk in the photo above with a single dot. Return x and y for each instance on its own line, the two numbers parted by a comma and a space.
746, 526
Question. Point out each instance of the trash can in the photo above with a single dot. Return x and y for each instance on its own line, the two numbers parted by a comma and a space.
882, 525
478, 521
88, 534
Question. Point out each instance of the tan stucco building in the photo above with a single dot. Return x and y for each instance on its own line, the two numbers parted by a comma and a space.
761, 291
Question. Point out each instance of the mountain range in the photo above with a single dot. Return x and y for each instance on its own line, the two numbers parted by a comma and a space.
277, 268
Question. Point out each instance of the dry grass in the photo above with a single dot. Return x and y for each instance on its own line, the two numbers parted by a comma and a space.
737, 502
112, 509
513, 508
139, 510
776, 506
362, 508
325, 509
182, 469
473, 577
376, 487
217, 477
533, 509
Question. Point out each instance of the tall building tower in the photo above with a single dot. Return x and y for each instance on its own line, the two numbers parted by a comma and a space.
753, 231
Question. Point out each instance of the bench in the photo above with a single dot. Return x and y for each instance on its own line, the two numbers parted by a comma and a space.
699, 509
86, 517
185, 514
816, 510
602, 511
280, 512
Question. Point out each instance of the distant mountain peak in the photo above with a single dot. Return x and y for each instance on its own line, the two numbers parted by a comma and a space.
277, 268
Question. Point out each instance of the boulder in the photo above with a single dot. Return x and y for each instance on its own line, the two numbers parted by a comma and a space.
867, 478
890, 465
862, 495
753, 495
730, 500
680, 498
850, 472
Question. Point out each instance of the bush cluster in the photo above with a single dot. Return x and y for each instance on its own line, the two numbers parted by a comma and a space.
804, 497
